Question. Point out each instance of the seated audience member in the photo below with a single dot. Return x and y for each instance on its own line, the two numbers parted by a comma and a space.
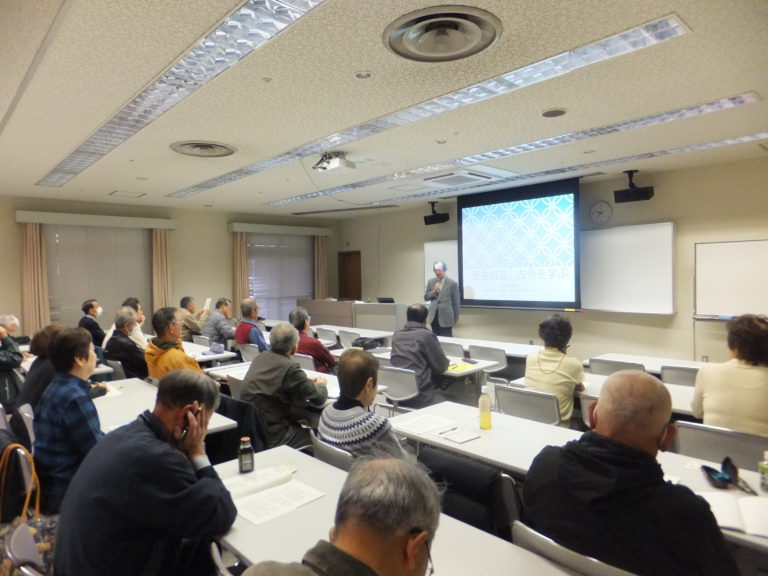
191, 319
10, 361
248, 331
137, 334
66, 423
276, 385
347, 423
308, 344
121, 347
734, 394
386, 518
165, 352
416, 348
91, 311
41, 373
604, 495
144, 488
219, 326
552, 370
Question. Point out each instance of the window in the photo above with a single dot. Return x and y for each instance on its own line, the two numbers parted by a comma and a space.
108, 264
280, 271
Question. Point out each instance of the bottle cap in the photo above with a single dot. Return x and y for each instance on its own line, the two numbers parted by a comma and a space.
245, 439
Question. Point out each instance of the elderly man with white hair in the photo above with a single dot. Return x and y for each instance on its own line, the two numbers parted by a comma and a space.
282, 391
604, 495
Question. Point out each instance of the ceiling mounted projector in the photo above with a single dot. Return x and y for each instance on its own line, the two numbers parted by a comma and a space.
333, 161
634, 193
436, 218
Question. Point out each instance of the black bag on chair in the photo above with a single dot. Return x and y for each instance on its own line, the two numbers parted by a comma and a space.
12, 488
10, 385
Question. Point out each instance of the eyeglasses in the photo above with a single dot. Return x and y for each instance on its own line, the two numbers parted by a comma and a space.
430, 564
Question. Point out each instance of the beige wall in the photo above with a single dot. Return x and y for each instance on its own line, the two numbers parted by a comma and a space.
715, 203
200, 247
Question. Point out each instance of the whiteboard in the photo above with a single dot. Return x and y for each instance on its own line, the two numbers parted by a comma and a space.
731, 278
629, 269
623, 269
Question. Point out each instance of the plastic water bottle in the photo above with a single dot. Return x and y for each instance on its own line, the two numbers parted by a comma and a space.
245, 455
485, 411
762, 467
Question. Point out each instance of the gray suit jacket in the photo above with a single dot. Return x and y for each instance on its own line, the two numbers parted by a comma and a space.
444, 303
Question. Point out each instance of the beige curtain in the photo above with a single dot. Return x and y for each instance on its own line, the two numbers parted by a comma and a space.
161, 276
35, 313
240, 269
321, 267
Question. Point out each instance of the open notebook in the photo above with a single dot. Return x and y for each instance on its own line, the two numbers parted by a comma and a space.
747, 514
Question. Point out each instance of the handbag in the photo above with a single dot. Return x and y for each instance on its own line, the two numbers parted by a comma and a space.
42, 527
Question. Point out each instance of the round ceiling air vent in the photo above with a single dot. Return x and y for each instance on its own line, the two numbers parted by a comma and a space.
442, 33
202, 149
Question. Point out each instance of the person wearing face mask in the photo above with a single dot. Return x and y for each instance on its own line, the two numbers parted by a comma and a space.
91, 311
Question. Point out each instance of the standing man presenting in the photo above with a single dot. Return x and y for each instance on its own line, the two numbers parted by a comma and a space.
442, 293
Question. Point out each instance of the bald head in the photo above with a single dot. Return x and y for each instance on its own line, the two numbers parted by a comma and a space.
634, 408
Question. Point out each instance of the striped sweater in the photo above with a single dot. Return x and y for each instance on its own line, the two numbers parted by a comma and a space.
346, 424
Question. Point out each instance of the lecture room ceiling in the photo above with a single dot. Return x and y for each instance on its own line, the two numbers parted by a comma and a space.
69, 67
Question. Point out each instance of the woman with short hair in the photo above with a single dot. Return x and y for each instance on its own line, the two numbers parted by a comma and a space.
734, 394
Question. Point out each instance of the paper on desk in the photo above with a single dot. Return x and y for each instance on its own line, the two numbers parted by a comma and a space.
426, 423
460, 436
261, 479
112, 390
273, 502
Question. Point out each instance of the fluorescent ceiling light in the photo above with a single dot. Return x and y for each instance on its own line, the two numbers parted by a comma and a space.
624, 43
645, 122
240, 34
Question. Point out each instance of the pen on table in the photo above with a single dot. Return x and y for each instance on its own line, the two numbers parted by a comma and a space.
443, 432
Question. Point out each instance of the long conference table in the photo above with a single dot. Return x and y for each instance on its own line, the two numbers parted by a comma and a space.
512, 443
457, 550
238, 371
652, 364
126, 399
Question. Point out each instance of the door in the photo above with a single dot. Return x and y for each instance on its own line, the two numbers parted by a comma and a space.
350, 277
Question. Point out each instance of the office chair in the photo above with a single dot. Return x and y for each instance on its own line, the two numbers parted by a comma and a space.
28, 417
118, 372
221, 568
329, 453
608, 367
683, 375
537, 543
452, 349
401, 385
529, 404
202, 340
347, 337
327, 337
248, 352
3, 419
305, 361
713, 443
235, 386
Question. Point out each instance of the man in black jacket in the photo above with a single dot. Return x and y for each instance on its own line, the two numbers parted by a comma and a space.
121, 347
145, 487
604, 495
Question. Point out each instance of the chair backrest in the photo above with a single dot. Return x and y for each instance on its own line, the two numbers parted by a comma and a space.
118, 372
23, 552
401, 383
384, 361
685, 375
3, 419
202, 340
28, 417
487, 353
475, 492
306, 362
26, 468
452, 349
530, 404
326, 336
346, 337
248, 352
218, 562
330, 454
235, 386
537, 543
712, 443
608, 367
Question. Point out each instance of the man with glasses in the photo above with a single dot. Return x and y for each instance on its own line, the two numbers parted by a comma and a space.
604, 495
386, 518
166, 353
